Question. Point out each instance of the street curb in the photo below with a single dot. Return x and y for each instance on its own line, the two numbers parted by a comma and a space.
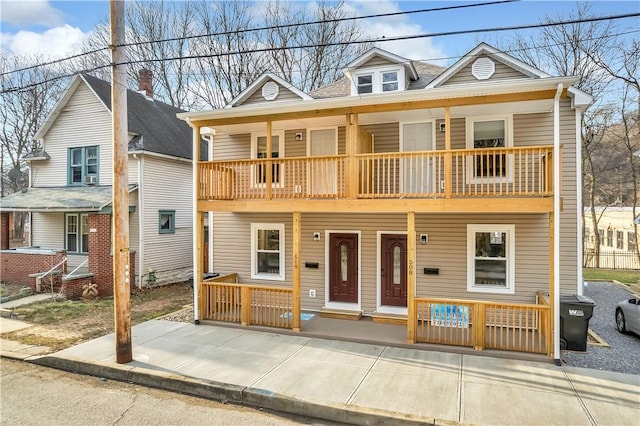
224, 392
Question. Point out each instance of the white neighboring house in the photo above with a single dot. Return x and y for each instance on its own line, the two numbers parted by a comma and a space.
71, 179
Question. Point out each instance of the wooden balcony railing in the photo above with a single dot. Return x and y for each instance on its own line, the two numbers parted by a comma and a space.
525, 171
223, 299
514, 327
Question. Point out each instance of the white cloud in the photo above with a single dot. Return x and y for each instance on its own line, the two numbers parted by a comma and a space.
393, 26
54, 43
30, 12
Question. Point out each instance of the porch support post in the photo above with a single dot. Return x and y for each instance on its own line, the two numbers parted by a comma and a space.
197, 231
296, 271
351, 151
411, 277
555, 250
447, 157
269, 174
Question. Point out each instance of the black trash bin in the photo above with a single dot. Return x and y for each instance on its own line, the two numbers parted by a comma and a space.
575, 313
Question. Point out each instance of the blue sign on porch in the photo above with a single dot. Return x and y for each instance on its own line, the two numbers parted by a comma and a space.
448, 315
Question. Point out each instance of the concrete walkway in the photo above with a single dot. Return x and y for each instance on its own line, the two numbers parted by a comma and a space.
354, 382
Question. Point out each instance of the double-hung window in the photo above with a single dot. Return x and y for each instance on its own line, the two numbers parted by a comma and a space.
620, 240
259, 151
390, 81
365, 83
631, 241
267, 251
486, 136
491, 258
83, 165
76, 232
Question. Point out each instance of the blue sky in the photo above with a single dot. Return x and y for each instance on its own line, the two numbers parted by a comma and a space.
53, 27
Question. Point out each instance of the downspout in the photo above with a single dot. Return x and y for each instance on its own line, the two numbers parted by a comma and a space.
210, 214
579, 207
556, 227
141, 221
195, 156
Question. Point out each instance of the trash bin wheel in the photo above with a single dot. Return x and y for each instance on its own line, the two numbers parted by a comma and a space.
563, 344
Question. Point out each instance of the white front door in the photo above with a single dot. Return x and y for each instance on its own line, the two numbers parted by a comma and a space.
322, 172
417, 172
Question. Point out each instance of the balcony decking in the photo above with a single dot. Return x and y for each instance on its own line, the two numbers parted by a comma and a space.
426, 175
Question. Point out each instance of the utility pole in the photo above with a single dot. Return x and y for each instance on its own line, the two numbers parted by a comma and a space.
120, 221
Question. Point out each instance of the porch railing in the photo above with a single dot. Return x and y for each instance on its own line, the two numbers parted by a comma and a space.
479, 324
223, 299
523, 171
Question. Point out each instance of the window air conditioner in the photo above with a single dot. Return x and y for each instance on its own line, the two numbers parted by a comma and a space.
90, 180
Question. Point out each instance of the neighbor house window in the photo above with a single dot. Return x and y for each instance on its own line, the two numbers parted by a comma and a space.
631, 241
491, 258
76, 232
620, 240
83, 166
486, 136
609, 237
267, 251
259, 150
167, 221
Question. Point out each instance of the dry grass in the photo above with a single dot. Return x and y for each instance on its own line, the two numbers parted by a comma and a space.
59, 325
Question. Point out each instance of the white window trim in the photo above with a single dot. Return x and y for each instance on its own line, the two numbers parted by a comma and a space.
376, 79
254, 250
254, 149
510, 258
508, 143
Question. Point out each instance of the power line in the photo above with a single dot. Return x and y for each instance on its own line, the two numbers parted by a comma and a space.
272, 27
339, 43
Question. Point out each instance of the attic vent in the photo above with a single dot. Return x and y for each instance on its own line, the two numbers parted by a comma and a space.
483, 68
270, 91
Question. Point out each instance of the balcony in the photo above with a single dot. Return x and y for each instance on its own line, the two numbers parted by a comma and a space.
441, 174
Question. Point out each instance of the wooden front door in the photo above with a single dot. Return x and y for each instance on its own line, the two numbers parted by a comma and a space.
393, 275
343, 268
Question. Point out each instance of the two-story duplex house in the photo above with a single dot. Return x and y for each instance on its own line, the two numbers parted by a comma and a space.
444, 199
70, 190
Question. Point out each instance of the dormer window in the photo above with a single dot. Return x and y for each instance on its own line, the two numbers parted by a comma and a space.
387, 79
365, 83
390, 81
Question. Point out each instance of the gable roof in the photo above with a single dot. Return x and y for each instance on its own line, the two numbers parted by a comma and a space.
253, 87
376, 51
485, 49
154, 123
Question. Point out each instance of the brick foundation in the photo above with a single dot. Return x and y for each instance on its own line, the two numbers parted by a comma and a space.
73, 288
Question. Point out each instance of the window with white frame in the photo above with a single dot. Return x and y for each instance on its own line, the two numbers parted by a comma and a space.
259, 150
631, 241
83, 165
267, 251
388, 79
491, 258
76, 232
620, 240
486, 135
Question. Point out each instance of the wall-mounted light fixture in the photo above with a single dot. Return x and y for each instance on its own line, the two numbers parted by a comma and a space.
299, 136
316, 236
424, 239
443, 127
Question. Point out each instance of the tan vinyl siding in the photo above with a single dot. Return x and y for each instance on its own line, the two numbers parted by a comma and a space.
167, 187
533, 129
377, 61
283, 95
457, 134
84, 121
568, 217
386, 136
232, 147
502, 72
446, 250
292, 147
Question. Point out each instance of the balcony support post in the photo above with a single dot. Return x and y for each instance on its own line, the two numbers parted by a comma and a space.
411, 277
351, 151
295, 311
448, 155
269, 174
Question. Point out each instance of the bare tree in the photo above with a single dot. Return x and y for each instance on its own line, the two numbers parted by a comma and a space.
22, 113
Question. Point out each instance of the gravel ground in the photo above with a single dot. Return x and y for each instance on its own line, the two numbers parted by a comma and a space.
623, 355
